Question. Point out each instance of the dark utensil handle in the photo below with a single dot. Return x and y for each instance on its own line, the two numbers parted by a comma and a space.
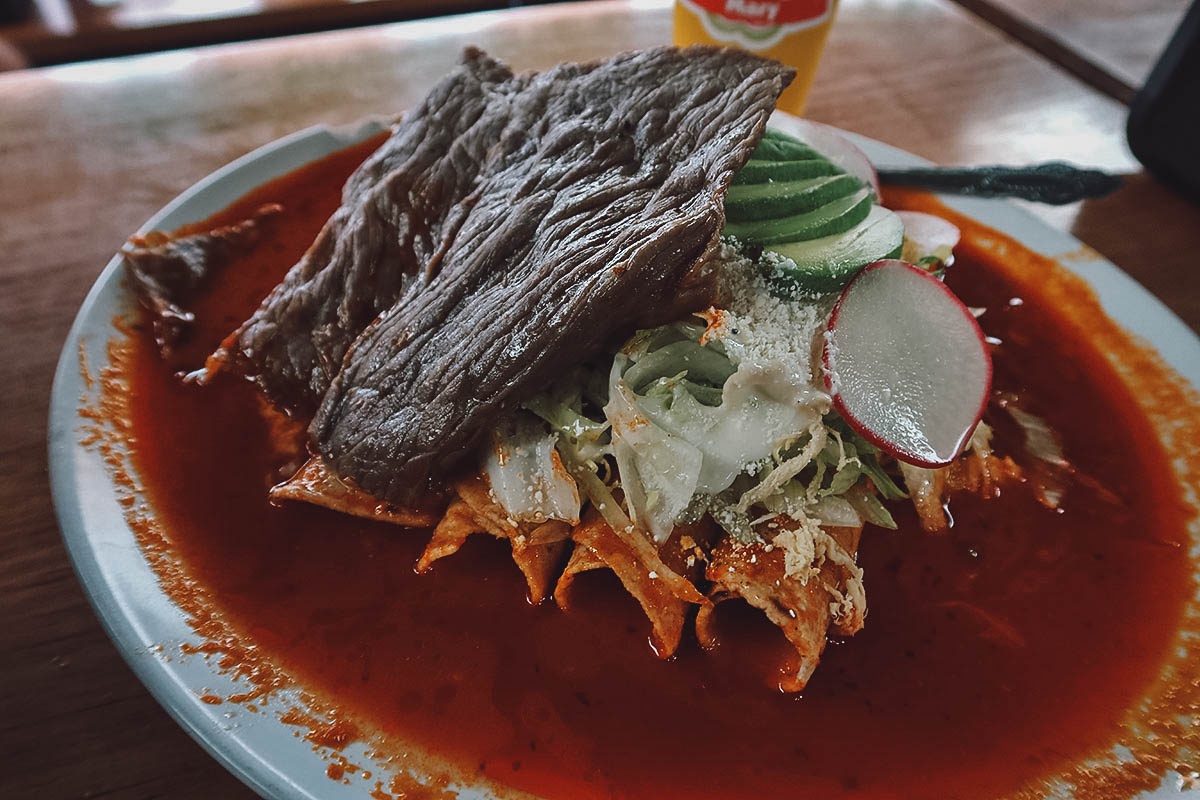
1056, 183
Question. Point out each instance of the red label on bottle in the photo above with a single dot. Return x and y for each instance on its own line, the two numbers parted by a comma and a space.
765, 13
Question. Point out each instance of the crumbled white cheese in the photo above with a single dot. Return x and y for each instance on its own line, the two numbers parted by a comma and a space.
763, 331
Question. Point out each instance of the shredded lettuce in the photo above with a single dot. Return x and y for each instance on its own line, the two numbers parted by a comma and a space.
583, 439
700, 394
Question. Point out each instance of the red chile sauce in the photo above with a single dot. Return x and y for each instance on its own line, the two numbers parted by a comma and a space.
994, 655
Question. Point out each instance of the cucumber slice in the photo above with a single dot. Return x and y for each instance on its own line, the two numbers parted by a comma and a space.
776, 146
836, 216
756, 171
827, 264
763, 202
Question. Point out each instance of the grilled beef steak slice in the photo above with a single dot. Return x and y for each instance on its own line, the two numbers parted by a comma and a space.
165, 272
604, 190
395, 212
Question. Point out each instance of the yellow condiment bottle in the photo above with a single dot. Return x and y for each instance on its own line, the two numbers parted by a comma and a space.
790, 31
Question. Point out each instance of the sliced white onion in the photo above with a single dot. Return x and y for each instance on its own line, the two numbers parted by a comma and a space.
927, 235
926, 487
1040, 440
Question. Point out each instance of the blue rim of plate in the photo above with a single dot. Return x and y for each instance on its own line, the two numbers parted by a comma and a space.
142, 621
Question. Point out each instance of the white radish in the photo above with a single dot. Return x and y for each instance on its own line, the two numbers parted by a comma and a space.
833, 144
927, 235
906, 363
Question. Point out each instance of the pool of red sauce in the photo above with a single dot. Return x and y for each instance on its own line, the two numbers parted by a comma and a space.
992, 656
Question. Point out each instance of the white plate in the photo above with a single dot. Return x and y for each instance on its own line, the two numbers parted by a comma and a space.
140, 617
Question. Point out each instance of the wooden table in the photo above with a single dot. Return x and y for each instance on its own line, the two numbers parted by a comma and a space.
90, 151
59, 31
1110, 44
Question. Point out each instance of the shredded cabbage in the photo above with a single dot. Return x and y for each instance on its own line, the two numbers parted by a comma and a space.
527, 475
563, 410
687, 418
727, 419
659, 471
870, 508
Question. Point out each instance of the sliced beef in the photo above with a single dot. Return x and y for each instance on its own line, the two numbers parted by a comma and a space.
165, 272
603, 190
396, 211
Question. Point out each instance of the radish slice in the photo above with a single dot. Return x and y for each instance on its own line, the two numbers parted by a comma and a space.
906, 363
829, 142
927, 235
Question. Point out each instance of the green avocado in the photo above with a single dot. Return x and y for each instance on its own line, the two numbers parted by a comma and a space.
776, 146
826, 264
834, 217
756, 171
765, 202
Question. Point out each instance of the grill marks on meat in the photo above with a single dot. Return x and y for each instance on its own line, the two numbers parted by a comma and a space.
602, 192
165, 272
397, 209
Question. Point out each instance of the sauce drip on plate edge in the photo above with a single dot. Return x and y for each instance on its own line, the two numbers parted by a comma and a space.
994, 659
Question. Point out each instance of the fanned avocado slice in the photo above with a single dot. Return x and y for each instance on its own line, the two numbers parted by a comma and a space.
776, 146
832, 218
815, 224
826, 264
763, 202
757, 171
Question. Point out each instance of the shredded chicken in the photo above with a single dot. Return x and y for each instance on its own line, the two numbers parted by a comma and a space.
804, 583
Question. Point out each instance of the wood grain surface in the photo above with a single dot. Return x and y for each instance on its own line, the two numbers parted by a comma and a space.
88, 152
61, 31
1123, 38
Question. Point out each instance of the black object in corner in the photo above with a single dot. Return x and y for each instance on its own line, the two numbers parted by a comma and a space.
1164, 119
